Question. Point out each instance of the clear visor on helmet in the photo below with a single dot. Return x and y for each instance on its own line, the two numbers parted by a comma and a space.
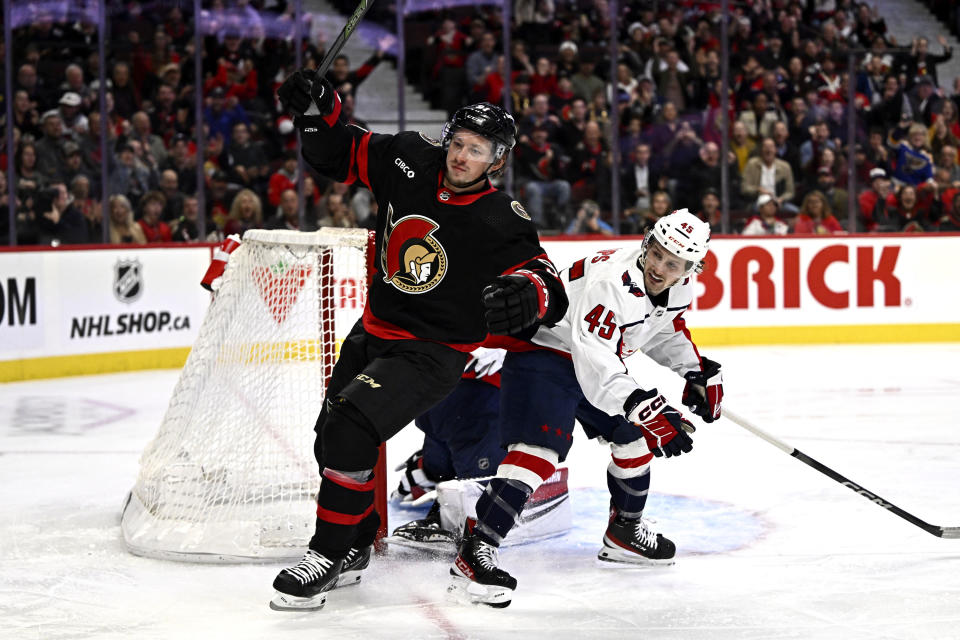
469, 145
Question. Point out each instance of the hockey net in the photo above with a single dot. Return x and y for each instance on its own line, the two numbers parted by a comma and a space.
230, 476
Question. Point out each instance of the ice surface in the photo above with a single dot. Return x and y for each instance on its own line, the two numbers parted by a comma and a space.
768, 548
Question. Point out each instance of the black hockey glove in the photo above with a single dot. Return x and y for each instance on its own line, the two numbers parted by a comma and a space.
665, 430
301, 90
513, 303
703, 392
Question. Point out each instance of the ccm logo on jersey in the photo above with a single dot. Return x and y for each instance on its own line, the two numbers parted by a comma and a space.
404, 167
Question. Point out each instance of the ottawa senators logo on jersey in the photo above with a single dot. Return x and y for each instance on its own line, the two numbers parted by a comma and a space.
411, 259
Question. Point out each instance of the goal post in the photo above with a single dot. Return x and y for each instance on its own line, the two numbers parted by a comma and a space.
230, 475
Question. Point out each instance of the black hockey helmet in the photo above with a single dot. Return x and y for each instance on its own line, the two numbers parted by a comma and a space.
488, 120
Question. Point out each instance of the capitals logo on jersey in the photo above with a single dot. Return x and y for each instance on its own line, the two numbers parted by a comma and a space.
411, 259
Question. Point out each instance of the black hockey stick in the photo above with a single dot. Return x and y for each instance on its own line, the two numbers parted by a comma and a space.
940, 532
341, 40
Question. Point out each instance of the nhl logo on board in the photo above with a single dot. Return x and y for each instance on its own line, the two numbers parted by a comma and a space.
127, 280
519, 210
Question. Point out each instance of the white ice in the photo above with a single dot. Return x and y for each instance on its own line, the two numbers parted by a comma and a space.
768, 548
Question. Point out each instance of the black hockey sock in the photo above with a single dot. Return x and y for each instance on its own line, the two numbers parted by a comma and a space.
367, 530
499, 508
343, 503
629, 495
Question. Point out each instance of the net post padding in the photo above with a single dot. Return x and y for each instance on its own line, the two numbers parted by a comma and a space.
230, 475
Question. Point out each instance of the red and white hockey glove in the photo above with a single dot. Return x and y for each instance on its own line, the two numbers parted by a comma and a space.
665, 430
703, 392
213, 278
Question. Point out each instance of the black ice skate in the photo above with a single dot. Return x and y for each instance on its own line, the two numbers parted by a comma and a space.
475, 577
303, 587
632, 542
426, 534
353, 565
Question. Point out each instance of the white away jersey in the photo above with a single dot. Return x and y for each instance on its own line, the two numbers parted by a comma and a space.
610, 318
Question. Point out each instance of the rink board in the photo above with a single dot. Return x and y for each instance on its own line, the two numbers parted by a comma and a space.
74, 311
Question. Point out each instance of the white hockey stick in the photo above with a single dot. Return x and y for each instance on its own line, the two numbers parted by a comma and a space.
740, 421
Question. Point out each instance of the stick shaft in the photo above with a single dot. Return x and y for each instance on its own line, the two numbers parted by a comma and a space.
940, 532
342, 38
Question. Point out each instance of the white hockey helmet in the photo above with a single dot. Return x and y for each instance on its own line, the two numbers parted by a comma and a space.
682, 234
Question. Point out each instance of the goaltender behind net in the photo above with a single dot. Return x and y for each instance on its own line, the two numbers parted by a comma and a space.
456, 260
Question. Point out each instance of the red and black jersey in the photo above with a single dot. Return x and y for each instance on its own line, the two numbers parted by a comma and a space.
435, 250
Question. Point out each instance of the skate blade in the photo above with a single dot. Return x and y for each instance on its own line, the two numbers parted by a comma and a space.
348, 579
466, 591
617, 556
286, 602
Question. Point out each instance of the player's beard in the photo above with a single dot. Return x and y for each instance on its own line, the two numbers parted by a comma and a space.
463, 184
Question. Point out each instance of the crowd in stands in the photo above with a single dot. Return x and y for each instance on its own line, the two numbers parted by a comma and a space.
788, 147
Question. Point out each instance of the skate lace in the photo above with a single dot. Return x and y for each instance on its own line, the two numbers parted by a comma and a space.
486, 555
644, 535
311, 567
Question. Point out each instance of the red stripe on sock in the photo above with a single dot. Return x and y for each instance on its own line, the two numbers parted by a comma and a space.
632, 463
341, 518
539, 466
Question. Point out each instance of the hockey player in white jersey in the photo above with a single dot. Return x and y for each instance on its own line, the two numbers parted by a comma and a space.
621, 302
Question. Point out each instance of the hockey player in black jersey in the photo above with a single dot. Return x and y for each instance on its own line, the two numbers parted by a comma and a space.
457, 263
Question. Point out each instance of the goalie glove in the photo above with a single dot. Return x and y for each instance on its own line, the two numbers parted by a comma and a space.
515, 302
704, 390
213, 278
665, 430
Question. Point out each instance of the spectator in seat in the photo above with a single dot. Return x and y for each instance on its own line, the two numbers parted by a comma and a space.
540, 117
222, 114
950, 220
571, 131
58, 221
768, 174
126, 97
544, 78
338, 212
710, 210
183, 163
873, 201
246, 212
245, 161
811, 150
344, 80
284, 178
759, 119
186, 228
640, 180
948, 161
288, 215
538, 165
123, 228
482, 63
449, 51
587, 221
836, 197
924, 101
585, 82
904, 213
50, 158
129, 177
921, 63
949, 117
152, 144
786, 150
169, 187
151, 209
89, 208
815, 216
914, 162
940, 134
766, 222
741, 145
75, 124
588, 166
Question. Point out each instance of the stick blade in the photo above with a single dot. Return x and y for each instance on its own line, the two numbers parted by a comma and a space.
950, 532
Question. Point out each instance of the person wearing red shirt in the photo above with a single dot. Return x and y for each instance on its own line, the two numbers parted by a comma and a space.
151, 208
816, 217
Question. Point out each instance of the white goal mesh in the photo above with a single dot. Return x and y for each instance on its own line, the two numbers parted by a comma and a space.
230, 476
